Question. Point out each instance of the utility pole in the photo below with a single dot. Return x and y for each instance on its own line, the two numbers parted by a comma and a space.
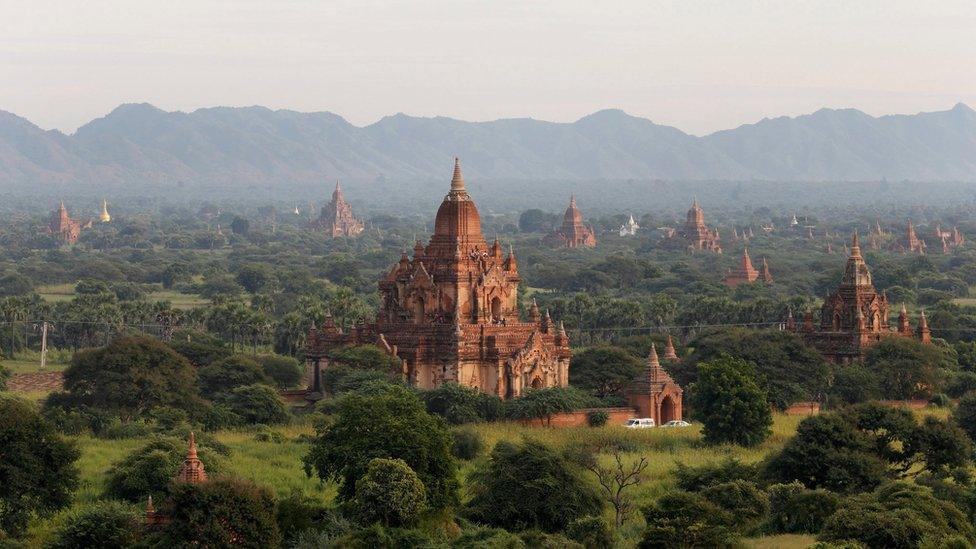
43, 344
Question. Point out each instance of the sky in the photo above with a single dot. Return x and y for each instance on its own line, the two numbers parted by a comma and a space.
700, 66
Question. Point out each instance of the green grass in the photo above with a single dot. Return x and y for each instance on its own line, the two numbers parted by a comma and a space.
54, 293
22, 366
783, 541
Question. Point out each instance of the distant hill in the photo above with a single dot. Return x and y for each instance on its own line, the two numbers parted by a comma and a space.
138, 144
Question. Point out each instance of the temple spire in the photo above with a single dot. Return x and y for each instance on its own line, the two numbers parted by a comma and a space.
457, 182
572, 200
669, 352
855, 245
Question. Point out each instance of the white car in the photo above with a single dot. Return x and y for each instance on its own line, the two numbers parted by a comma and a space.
640, 423
677, 423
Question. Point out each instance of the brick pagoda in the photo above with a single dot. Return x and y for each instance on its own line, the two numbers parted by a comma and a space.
450, 314
745, 273
855, 316
573, 233
910, 242
65, 229
655, 394
695, 235
336, 218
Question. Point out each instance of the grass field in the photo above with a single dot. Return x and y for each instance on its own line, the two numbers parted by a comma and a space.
65, 292
278, 465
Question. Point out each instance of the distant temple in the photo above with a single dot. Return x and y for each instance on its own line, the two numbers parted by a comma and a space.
629, 228
573, 233
104, 217
450, 314
65, 229
745, 273
910, 242
855, 316
336, 218
949, 239
655, 394
695, 235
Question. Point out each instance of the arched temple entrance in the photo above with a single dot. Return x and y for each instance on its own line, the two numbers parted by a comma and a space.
537, 382
669, 410
496, 308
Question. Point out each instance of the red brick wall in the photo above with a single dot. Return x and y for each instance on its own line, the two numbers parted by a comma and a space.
618, 416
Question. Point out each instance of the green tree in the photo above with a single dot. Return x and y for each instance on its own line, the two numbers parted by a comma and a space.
104, 524
786, 367
907, 368
390, 493
392, 423
256, 403
829, 451
965, 414
528, 485
545, 403
255, 277
220, 513
604, 371
229, 373
730, 404
129, 377
285, 371
37, 466
458, 404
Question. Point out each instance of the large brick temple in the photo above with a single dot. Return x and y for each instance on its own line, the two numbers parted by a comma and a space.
451, 313
695, 234
573, 233
336, 218
65, 229
855, 316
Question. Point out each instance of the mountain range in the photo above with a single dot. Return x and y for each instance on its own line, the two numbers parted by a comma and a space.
138, 144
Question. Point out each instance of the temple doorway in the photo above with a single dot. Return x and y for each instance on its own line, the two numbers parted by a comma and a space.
669, 410
496, 308
537, 383
418, 311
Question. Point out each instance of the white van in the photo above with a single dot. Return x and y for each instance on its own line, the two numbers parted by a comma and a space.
640, 423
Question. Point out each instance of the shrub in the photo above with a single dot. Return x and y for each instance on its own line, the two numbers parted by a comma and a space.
940, 400
220, 513
542, 540
229, 373
597, 418
221, 416
257, 403
268, 435
467, 444
390, 493
284, 371
457, 404
168, 418
529, 485
591, 532
199, 353
545, 403
118, 429
896, 515
796, 510
684, 519
103, 524
693, 479
149, 470
485, 538
745, 503
297, 512
376, 536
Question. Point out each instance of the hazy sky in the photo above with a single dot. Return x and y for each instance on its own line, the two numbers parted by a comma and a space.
700, 66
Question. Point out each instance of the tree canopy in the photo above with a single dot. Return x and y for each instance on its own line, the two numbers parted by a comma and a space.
730, 404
